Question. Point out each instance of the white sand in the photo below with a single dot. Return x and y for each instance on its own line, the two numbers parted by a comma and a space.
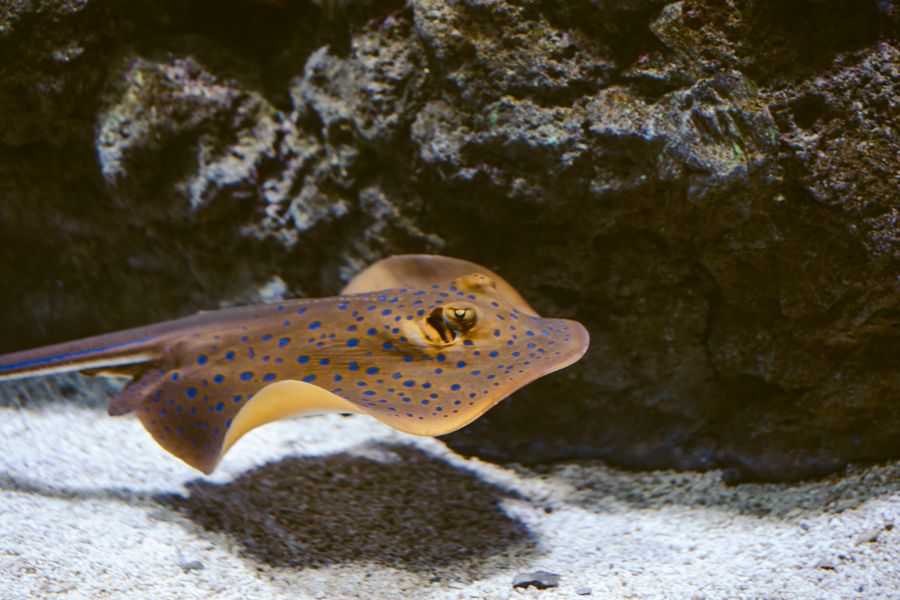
345, 509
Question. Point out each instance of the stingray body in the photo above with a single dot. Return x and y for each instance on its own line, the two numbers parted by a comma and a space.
426, 358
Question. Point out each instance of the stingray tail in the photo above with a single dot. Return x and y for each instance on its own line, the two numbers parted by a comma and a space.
119, 349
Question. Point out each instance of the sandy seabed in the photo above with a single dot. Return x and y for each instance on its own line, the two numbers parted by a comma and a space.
343, 507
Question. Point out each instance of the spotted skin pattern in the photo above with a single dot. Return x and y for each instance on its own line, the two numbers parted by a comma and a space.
376, 350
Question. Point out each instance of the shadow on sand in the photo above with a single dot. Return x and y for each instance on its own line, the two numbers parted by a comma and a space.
597, 487
390, 505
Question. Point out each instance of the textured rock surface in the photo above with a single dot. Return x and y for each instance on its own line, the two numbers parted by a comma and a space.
711, 187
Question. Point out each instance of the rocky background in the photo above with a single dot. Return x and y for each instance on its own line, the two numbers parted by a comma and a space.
711, 186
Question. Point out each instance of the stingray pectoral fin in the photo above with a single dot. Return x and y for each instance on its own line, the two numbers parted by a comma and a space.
431, 426
200, 430
422, 270
281, 400
571, 340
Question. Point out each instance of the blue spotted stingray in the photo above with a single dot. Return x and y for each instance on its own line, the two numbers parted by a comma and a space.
441, 344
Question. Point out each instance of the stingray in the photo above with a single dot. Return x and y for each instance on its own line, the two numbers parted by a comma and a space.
425, 344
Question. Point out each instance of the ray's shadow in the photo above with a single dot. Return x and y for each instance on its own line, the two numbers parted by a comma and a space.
391, 505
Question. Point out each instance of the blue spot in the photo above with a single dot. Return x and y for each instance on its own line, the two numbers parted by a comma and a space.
425, 402
301, 311
266, 337
441, 358
324, 361
455, 387
162, 412
284, 342
438, 371
352, 328
371, 370
315, 324
269, 377
468, 343
420, 312
238, 399
202, 359
246, 376
309, 378
343, 306
496, 333
369, 393
409, 383
387, 346
353, 366
220, 406
386, 312
529, 333
494, 354
245, 339
219, 378
426, 385
472, 395
338, 377
372, 331
460, 364
174, 376
352, 342
229, 356
476, 372
433, 395
192, 392
515, 354
407, 358
396, 376
302, 359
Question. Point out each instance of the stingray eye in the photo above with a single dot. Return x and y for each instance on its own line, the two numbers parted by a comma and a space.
444, 324
461, 318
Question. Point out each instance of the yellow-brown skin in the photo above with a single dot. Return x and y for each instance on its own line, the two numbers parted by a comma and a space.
426, 360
